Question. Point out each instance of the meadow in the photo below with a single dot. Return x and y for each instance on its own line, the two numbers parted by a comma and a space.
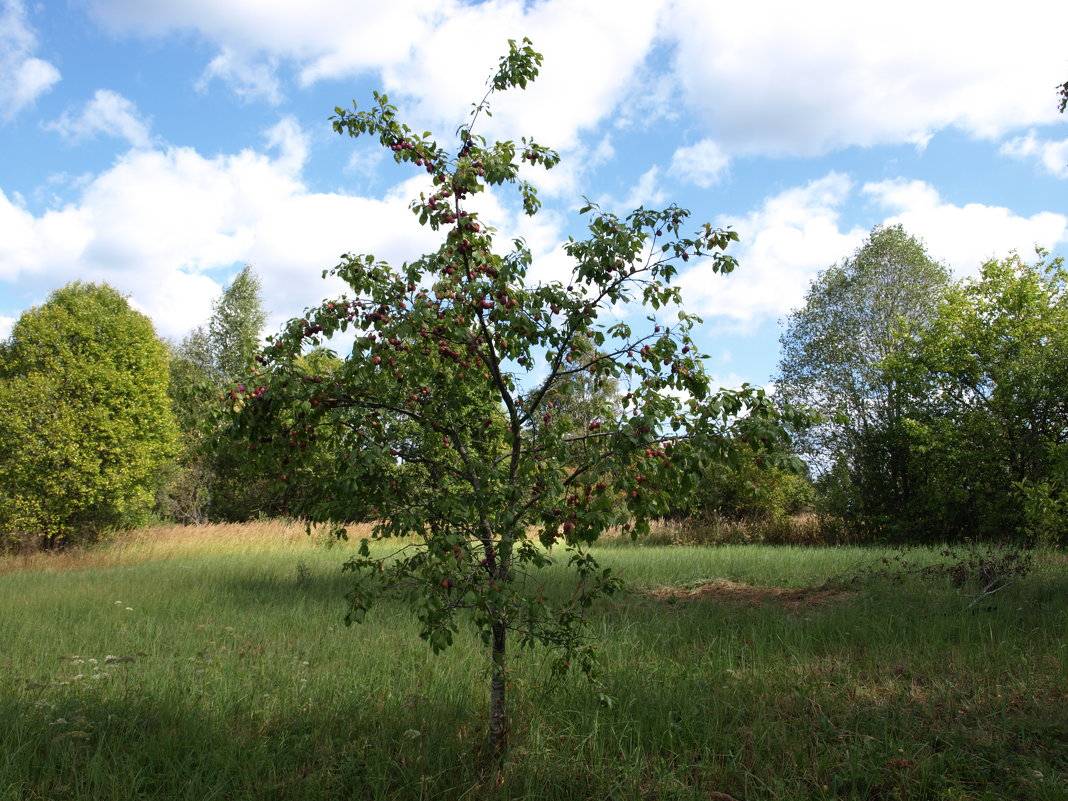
213, 663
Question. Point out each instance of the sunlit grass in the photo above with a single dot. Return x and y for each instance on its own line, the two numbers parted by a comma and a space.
232, 676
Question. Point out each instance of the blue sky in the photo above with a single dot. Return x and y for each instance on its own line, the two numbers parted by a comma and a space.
160, 145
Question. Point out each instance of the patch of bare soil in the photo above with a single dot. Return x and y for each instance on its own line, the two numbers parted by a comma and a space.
794, 599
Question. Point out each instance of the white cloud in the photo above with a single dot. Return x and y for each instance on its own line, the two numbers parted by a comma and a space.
6, 324
108, 113
776, 77
647, 192
593, 51
1053, 156
163, 224
793, 236
964, 236
799, 232
248, 78
805, 78
23, 77
291, 143
565, 181
434, 54
702, 164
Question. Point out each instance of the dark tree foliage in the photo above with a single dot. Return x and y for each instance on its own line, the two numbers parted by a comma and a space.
989, 403
212, 479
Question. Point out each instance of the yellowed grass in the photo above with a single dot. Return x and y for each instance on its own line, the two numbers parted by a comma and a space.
800, 529
167, 542
755, 595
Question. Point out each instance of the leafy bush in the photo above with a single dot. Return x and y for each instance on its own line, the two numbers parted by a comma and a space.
84, 417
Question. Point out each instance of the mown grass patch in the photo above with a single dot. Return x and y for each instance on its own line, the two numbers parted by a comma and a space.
215, 664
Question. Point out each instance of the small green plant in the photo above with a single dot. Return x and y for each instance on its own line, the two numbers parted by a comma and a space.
303, 573
1045, 503
979, 569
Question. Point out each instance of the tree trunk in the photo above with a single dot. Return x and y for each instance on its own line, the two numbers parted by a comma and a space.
498, 729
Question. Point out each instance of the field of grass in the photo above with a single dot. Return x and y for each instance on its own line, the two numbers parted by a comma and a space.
214, 664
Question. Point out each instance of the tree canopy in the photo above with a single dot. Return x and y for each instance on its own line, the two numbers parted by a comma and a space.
84, 417
988, 406
210, 481
859, 316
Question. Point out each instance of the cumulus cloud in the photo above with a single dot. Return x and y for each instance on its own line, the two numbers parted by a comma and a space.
6, 324
702, 164
167, 225
964, 236
248, 77
291, 143
783, 77
1053, 156
778, 77
108, 113
23, 76
799, 232
592, 51
646, 192
566, 180
784, 243
432, 53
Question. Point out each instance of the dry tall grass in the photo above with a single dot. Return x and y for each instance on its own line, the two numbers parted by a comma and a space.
802, 529
158, 543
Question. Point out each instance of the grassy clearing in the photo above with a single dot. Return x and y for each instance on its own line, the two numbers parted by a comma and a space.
231, 676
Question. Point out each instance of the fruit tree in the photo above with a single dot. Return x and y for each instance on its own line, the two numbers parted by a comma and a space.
446, 413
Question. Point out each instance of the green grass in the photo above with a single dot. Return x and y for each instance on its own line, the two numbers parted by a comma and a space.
243, 683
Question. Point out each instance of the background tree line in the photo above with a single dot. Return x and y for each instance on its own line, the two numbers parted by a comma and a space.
943, 410
944, 404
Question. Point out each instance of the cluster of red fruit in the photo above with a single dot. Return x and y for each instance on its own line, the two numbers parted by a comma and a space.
420, 157
240, 391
